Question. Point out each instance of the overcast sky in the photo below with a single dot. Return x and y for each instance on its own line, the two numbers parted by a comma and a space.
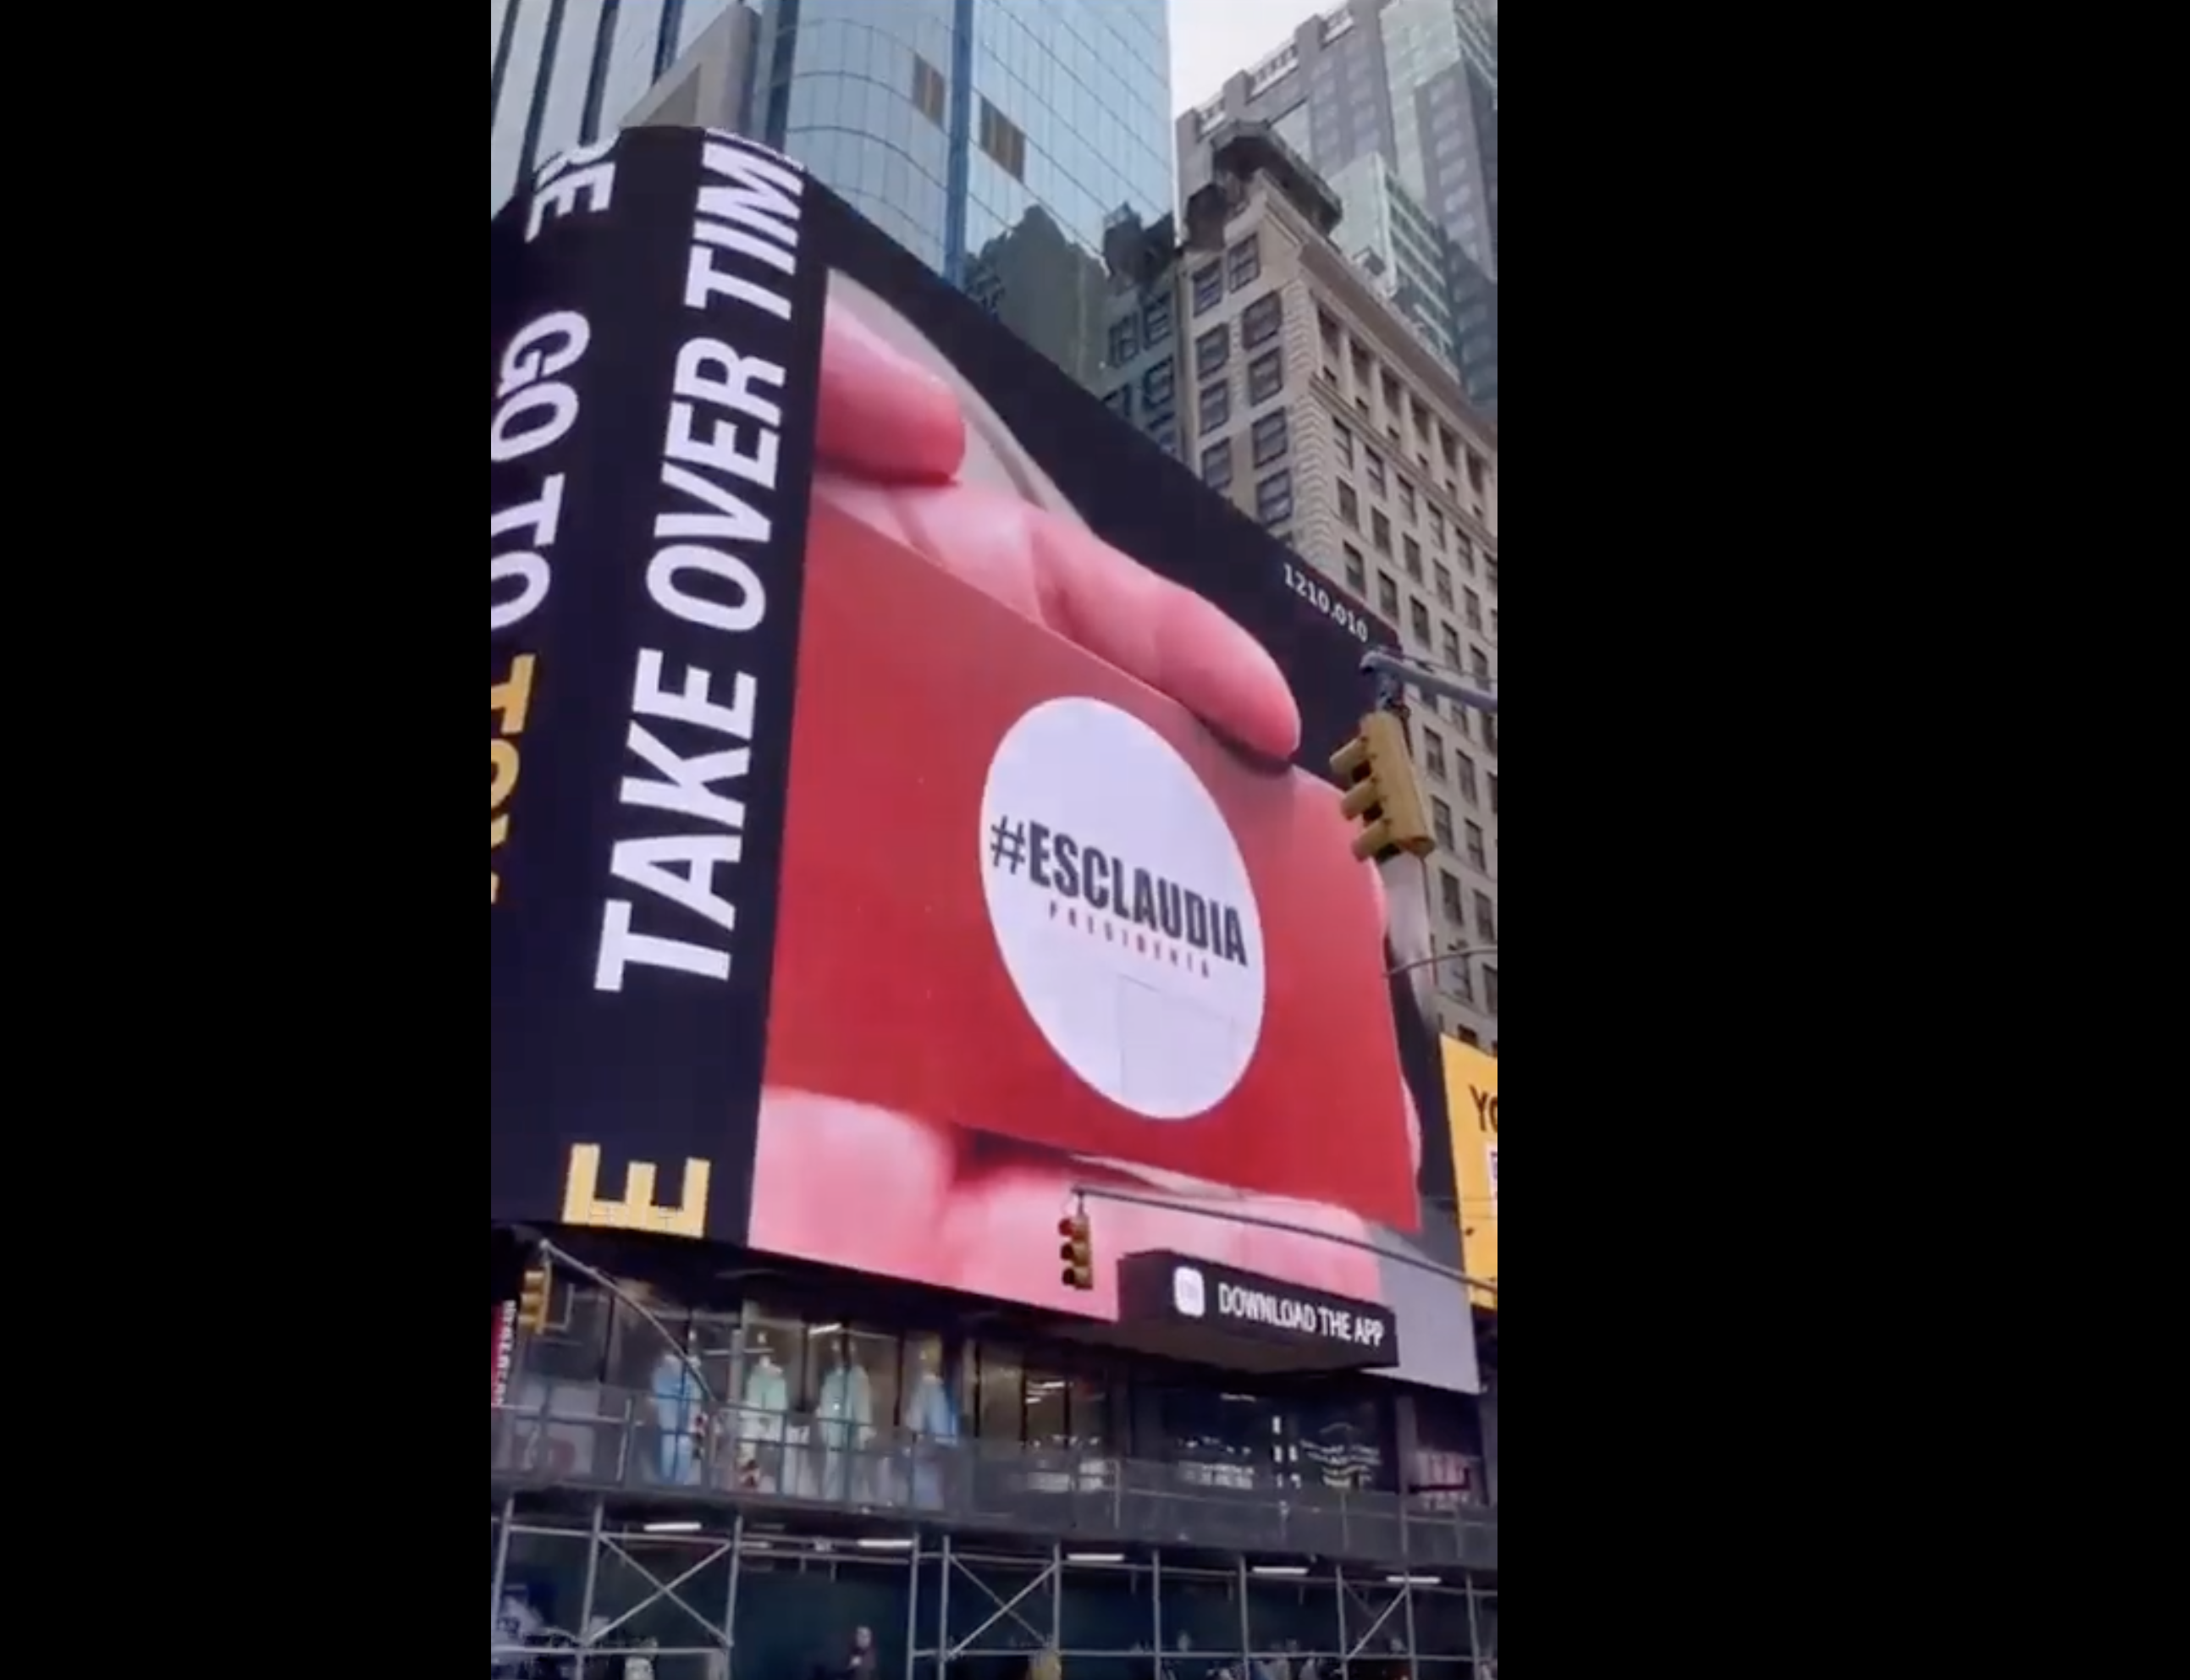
1210, 39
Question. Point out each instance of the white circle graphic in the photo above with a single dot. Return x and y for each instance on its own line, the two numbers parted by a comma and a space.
1122, 909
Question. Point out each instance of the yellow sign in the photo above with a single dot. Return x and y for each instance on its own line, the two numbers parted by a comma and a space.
583, 1205
1470, 1083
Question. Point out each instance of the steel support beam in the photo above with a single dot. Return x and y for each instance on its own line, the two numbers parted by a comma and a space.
912, 1610
1049, 1577
730, 1600
593, 1575
667, 1589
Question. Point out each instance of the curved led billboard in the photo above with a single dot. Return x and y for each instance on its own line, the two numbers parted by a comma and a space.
908, 796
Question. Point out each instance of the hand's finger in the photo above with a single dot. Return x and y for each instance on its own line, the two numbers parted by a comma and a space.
880, 414
816, 1156
1070, 580
1168, 637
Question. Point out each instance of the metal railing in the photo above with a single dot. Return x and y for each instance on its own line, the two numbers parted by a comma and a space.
609, 1441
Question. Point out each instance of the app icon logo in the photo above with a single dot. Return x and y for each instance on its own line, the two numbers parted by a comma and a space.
1189, 1293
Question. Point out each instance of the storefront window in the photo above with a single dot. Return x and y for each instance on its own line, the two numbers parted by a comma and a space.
769, 1393
1447, 1473
1048, 1412
1220, 1439
926, 1408
1091, 1414
840, 1458
1000, 1389
1342, 1447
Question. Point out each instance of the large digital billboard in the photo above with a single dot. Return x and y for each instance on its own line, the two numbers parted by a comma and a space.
909, 798
1471, 1101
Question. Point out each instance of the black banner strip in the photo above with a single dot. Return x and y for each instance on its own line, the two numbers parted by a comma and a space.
657, 312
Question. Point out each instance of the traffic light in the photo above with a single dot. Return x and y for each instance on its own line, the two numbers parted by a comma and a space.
1077, 1251
1378, 771
532, 1297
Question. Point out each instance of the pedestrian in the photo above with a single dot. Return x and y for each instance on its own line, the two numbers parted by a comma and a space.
860, 1665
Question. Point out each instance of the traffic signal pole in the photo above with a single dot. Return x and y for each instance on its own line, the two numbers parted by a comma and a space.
1128, 1198
594, 1276
1396, 672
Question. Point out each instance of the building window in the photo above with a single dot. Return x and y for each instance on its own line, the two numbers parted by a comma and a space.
1490, 991
1156, 321
1273, 438
1471, 1038
1357, 578
1408, 505
1120, 402
1480, 662
1160, 384
1462, 974
1420, 616
1387, 595
1333, 341
1217, 405
1217, 466
1474, 610
1377, 480
1345, 446
1262, 321
1212, 351
1444, 585
1486, 919
1441, 822
1208, 288
1490, 734
1468, 790
930, 91
1493, 577
1466, 550
1165, 434
1476, 474
1349, 503
1452, 648
1494, 795
1434, 753
1414, 551
1124, 342
1001, 139
1456, 903
1273, 499
1246, 262
1475, 853
1436, 529
1266, 376
1380, 530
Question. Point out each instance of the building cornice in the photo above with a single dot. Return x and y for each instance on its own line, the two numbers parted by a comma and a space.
1328, 267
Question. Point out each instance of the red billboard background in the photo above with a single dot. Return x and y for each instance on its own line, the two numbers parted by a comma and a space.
891, 1046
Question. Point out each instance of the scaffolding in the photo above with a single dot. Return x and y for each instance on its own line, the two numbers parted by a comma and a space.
616, 1536
740, 1595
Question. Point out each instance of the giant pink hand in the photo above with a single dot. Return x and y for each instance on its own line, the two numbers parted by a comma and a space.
886, 1193
892, 439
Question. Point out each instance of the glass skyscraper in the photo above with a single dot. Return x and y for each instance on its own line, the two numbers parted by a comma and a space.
994, 139
564, 72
